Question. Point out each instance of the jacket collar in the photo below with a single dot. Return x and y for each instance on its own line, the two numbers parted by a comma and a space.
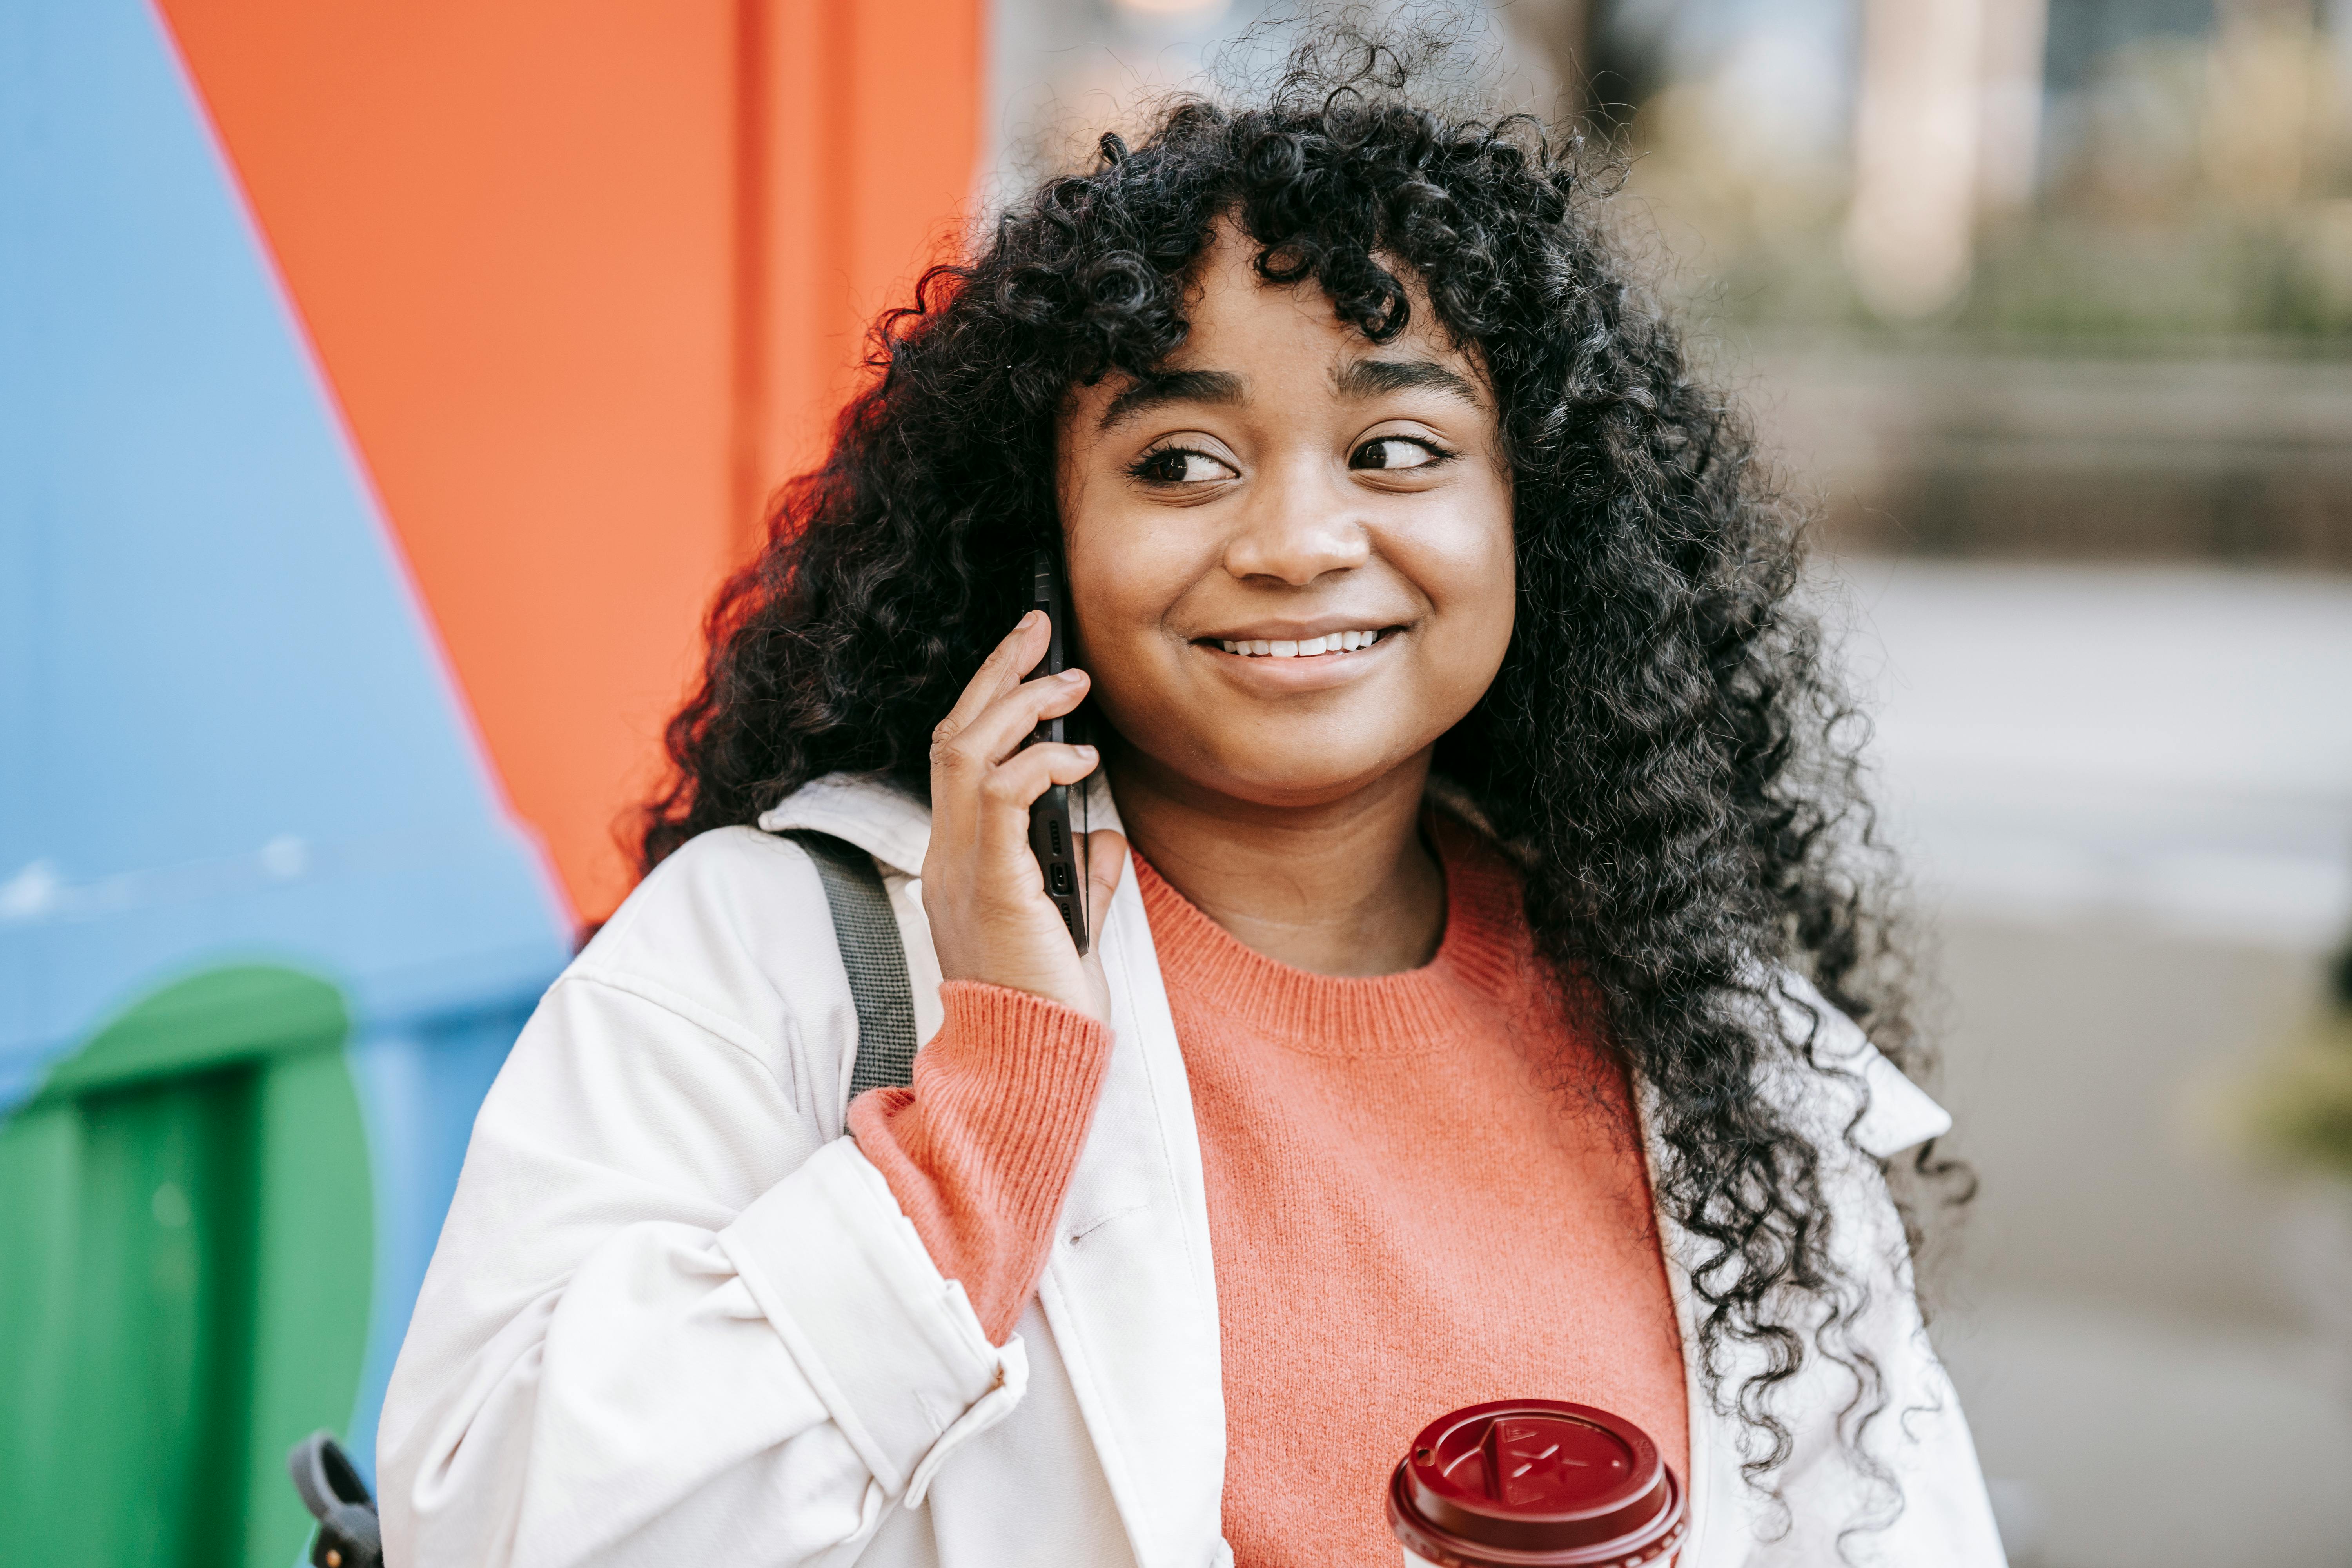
884, 818
872, 811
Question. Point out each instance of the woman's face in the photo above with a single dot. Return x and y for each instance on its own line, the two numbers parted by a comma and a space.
1284, 485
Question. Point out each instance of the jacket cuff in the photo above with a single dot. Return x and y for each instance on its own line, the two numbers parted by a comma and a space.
890, 1346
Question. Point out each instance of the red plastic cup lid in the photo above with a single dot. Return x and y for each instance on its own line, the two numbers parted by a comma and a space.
1535, 1481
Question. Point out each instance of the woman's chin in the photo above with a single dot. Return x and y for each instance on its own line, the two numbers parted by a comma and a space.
1298, 775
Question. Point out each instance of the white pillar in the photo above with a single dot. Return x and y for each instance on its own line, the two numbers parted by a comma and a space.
1917, 129
2016, 37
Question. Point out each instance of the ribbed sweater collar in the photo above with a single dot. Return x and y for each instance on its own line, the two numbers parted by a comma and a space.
1484, 959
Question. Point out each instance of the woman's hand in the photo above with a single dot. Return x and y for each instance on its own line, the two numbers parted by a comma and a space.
982, 891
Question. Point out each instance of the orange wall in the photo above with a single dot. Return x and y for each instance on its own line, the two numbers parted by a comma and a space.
585, 278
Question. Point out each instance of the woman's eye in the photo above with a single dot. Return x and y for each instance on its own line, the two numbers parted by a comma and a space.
1178, 466
1395, 452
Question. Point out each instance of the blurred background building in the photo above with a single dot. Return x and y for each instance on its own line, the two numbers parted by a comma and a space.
384, 390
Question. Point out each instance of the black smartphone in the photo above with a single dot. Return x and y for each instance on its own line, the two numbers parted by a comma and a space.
1057, 822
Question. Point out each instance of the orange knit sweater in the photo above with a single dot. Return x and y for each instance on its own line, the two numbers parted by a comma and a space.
1424, 1190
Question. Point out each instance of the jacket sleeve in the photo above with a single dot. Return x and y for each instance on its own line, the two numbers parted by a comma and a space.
670, 1320
978, 1150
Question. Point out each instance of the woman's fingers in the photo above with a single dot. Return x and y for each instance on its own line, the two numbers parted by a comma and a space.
1000, 672
1106, 862
983, 888
1015, 785
1004, 725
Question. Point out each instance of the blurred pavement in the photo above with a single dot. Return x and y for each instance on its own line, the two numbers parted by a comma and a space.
2127, 797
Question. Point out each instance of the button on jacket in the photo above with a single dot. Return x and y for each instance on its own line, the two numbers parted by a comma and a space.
676, 1317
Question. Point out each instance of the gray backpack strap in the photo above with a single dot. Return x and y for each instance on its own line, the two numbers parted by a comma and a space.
874, 957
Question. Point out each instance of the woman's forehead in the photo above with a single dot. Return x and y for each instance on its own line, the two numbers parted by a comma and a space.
1244, 330
1371, 371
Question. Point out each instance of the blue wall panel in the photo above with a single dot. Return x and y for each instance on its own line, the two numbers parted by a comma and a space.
223, 726
225, 731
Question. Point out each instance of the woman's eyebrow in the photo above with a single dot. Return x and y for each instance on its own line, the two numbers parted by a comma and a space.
1163, 386
1364, 378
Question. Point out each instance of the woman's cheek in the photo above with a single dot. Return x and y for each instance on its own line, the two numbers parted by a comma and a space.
1460, 555
1119, 597
1468, 570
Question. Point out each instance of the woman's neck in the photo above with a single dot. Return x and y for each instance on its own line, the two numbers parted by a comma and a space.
1344, 888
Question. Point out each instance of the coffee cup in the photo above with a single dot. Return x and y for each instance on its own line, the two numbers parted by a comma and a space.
1536, 1483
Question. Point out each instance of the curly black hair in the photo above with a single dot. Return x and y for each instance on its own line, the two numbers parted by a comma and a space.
1664, 749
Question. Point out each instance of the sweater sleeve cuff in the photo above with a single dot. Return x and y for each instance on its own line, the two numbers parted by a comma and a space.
979, 1151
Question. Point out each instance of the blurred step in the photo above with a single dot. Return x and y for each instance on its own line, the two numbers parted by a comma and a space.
2119, 1440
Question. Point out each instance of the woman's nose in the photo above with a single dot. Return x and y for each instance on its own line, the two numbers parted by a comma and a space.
1296, 527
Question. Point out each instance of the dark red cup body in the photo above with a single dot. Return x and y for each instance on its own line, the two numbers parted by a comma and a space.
1536, 1483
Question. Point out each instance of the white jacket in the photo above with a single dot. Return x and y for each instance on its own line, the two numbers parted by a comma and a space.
677, 1318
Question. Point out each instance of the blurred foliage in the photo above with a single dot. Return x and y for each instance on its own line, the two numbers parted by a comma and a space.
2190, 188
2298, 1108
2208, 278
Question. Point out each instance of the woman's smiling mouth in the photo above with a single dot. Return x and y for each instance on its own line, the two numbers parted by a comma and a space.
1298, 648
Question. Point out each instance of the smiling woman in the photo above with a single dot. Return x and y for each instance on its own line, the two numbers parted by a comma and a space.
1490, 997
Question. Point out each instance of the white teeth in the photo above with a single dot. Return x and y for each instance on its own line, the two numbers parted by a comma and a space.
1304, 647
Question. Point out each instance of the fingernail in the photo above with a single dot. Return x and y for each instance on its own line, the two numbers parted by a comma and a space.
1086, 752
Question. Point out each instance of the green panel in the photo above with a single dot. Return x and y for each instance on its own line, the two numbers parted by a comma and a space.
163, 1325
316, 1230
40, 1189
220, 1016
185, 1255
